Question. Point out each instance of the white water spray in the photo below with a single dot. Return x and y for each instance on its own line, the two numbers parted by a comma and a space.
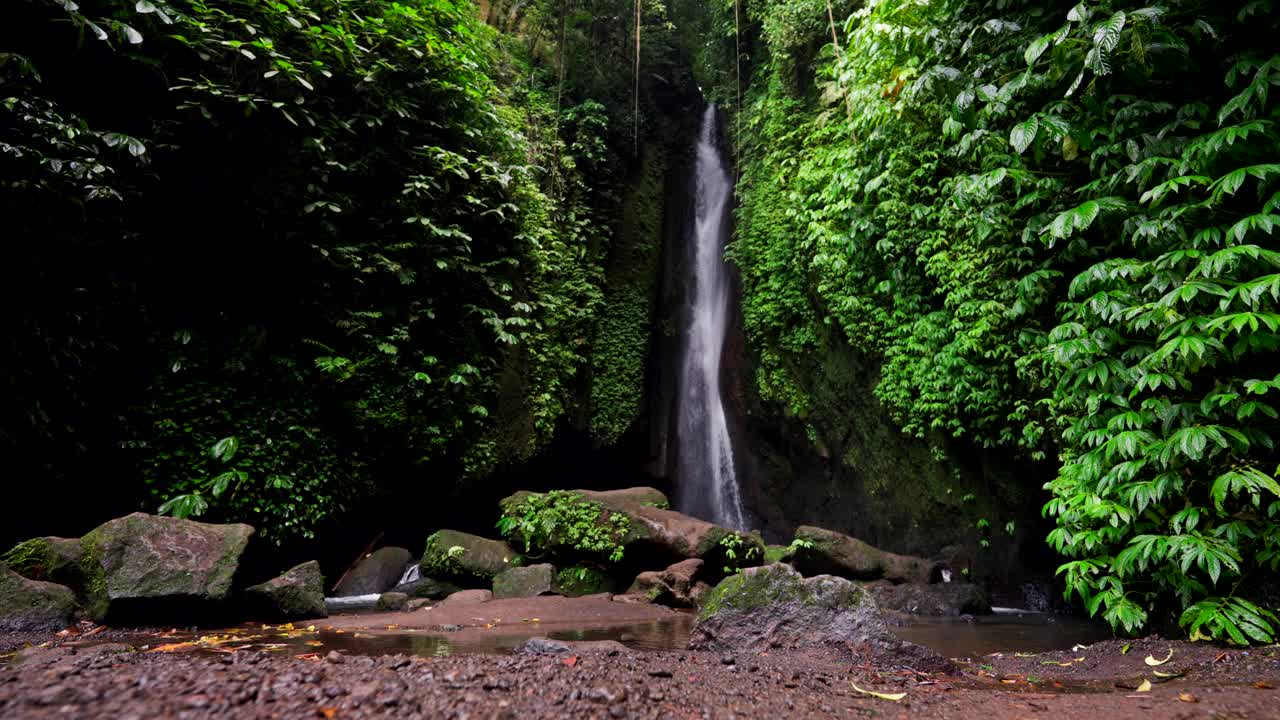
707, 484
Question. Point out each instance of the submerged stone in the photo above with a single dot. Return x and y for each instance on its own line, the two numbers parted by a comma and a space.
296, 594
376, 573
27, 604
520, 582
774, 606
465, 558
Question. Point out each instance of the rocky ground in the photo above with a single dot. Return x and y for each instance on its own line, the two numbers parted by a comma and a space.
87, 678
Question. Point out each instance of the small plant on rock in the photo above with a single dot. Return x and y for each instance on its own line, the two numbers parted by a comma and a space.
561, 519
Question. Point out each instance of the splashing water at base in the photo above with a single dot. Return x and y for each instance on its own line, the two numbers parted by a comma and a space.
706, 481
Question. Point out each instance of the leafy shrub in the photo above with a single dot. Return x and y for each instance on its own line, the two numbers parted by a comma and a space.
561, 520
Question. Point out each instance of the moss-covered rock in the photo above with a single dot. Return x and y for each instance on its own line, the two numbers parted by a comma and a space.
775, 607
27, 604
392, 602
143, 564
469, 560
52, 559
580, 580
428, 588
298, 594
520, 582
376, 573
826, 551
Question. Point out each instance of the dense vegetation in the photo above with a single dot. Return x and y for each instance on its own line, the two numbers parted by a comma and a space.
278, 250
1053, 226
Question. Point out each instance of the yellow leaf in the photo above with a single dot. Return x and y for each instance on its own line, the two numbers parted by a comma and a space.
1187, 697
1145, 686
311, 628
895, 697
1124, 649
1197, 636
1168, 675
1153, 662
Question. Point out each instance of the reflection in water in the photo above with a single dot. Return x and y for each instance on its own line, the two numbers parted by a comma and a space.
1016, 632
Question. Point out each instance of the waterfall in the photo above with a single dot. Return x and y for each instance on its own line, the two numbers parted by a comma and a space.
707, 486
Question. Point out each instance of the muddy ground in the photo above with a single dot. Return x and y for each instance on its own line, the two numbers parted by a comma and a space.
103, 677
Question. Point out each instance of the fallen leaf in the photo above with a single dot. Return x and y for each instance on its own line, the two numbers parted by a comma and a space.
1153, 662
1221, 656
1125, 649
328, 712
1009, 681
1187, 697
571, 660
1169, 675
173, 647
1145, 686
392, 627
895, 697
311, 628
536, 620
95, 631
1264, 685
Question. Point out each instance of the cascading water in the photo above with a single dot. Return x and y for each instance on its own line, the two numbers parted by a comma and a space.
707, 486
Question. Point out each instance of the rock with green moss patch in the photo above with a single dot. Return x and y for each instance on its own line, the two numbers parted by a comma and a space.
392, 602
580, 580
468, 560
522, 582
773, 606
428, 588
148, 565
298, 594
52, 559
376, 573
27, 604
825, 551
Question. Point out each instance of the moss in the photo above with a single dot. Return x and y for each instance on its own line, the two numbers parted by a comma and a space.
31, 559
581, 580
94, 591
756, 589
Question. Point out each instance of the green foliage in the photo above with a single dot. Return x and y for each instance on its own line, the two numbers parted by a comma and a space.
1052, 226
31, 558
735, 544
560, 521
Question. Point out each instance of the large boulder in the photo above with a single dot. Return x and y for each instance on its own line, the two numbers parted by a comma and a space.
821, 551
677, 585
643, 524
152, 567
521, 582
378, 572
428, 588
27, 604
466, 559
298, 594
773, 606
946, 599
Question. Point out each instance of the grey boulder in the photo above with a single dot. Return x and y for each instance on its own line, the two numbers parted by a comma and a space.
378, 572
298, 594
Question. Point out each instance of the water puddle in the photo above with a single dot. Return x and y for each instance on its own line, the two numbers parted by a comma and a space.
1026, 632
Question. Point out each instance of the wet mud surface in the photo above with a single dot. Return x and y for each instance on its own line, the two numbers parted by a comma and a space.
252, 674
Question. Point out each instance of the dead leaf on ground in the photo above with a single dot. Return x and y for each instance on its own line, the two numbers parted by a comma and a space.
895, 697
1187, 698
1154, 662
1264, 685
1125, 649
328, 713
1144, 686
173, 647
94, 631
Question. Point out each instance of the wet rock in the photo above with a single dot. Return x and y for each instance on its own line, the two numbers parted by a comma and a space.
834, 553
334, 657
27, 604
296, 594
775, 607
542, 646
376, 573
425, 587
521, 582
632, 598
946, 599
149, 566
468, 597
581, 580
416, 604
465, 558
51, 559
392, 601
677, 585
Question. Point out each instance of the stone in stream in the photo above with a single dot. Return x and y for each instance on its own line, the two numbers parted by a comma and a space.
392, 601
425, 587
376, 573
822, 551
152, 567
521, 582
465, 558
468, 597
298, 594
650, 528
677, 585
27, 604
945, 599
773, 606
